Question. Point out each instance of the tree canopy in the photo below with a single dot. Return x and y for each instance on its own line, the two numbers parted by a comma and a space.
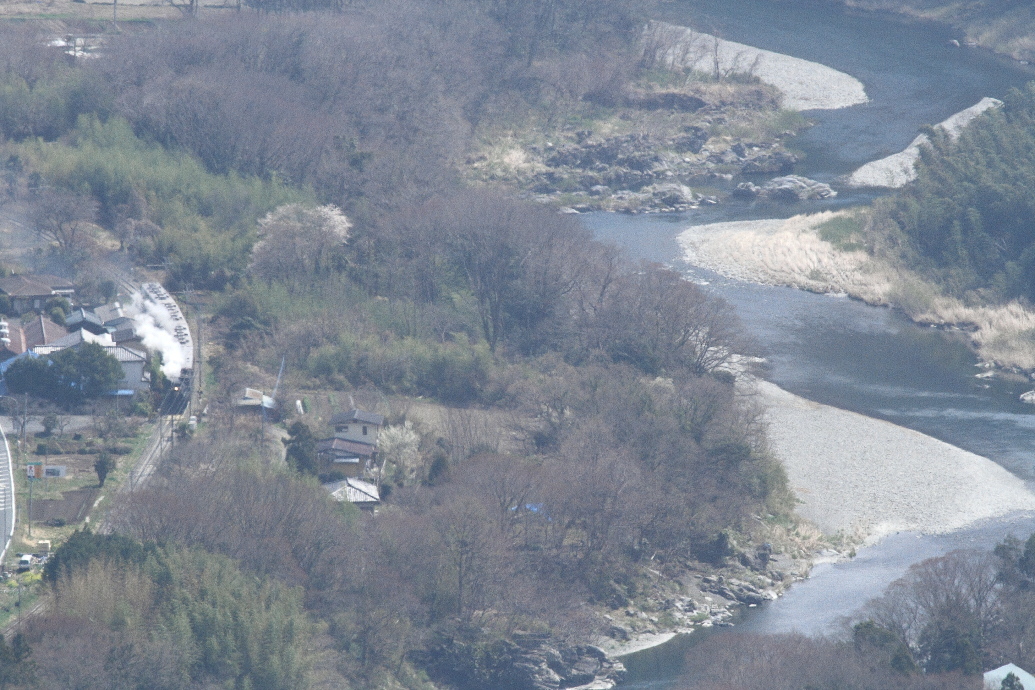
970, 216
68, 376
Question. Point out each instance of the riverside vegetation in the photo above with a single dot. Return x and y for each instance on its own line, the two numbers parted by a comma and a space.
939, 626
1005, 26
959, 239
620, 459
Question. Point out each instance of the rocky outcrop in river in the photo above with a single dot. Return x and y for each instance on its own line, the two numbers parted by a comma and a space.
788, 188
529, 661
646, 173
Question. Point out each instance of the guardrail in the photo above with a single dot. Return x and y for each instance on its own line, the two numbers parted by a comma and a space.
8, 498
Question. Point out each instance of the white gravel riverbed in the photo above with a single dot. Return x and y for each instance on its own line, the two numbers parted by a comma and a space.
867, 478
805, 85
898, 169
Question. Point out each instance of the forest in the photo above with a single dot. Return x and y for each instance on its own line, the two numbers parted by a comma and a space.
939, 626
967, 220
300, 171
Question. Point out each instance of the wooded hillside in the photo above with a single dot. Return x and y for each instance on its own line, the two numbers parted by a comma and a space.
968, 217
301, 170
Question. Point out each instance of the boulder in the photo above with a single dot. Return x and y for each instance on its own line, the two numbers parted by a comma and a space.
796, 188
747, 190
672, 194
530, 662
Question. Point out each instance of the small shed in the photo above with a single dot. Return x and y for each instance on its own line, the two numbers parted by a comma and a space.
256, 399
356, 491
994, 678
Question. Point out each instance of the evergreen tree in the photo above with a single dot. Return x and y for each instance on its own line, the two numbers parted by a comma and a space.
301, 449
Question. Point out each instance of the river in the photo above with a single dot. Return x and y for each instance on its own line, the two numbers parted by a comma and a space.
834, 350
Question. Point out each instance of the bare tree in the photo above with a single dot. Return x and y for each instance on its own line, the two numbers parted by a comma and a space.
64, 219
659, 321
944, 609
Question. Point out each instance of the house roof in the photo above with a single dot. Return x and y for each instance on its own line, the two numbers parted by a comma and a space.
354, 491
123, 334
84, 319
118, 322
56, 283
81, 336
357, 416
17, 345
39, 285
994, 678
42, 331
345, 447
109, 312
123, 354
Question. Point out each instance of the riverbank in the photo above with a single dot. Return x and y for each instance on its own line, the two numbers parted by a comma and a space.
793, 252
1008, 30
857, 479
699, 112
805, 85
899, 169
865, 478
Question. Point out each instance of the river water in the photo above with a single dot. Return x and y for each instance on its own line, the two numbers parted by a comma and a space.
834, 350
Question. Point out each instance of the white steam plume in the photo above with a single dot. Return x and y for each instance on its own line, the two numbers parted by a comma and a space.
156, 330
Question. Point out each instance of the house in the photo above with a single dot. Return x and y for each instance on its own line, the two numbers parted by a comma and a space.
357, 425
42, 331
12, 340
994, 678
84, 319
31, 292
362, 494
134, 364
351, 458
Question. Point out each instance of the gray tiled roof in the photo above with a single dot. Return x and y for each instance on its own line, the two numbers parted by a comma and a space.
344, 446
357, 416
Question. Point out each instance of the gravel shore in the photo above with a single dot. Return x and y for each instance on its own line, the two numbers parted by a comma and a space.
786, 252
855, 475
805, 85
866, 478
791, 253
897, 169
